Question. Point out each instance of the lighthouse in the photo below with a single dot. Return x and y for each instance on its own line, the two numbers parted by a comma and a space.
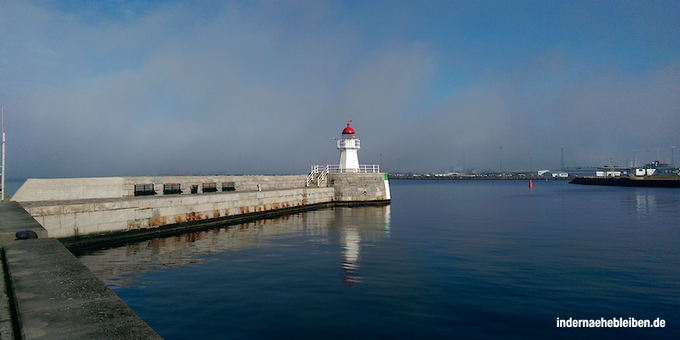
348, 146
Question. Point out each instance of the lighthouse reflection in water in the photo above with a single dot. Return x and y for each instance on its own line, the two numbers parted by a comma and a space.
350, 240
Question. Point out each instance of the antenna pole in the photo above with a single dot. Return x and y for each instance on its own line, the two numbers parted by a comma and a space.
2, 179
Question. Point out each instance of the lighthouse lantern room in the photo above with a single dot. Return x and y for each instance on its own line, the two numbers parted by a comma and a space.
348, 146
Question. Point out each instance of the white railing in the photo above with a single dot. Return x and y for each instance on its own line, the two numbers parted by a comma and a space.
363, 168
366, 168
317, 175
319, 172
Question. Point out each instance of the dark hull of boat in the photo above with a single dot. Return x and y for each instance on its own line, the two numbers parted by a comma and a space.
626, 182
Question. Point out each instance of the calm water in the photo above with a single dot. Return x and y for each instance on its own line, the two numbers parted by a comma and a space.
447, 259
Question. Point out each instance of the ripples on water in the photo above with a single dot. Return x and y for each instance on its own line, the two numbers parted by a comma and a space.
447, 259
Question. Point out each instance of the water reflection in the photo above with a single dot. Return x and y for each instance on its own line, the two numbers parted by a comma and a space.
347, 227
649, 203
355, 226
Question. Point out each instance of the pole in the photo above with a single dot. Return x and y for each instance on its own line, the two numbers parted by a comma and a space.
2, 181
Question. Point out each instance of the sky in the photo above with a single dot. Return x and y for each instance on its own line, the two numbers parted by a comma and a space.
134, 88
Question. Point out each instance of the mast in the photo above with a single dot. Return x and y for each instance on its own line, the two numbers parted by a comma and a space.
2, 180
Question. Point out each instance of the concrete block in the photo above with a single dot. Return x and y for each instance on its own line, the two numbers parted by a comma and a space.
83, 219
167, 201
167, 211
67, 220
205, 207
180, 218
120, 215
202, 199
97, 217
223, 205
56, 189
102, 206
84, 230
58, 232
146, 204
129, 204
112, 226
51, 222
78, 208
143, 213
47, 210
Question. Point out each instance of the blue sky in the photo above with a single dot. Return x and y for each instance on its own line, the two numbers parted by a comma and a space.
153, 87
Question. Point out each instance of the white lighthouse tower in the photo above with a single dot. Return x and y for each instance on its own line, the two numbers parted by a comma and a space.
348, 146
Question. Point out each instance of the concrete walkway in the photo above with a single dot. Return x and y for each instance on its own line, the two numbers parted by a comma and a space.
51, 295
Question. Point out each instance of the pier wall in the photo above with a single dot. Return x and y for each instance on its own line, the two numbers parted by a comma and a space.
87, 217
359, 187
93, 206
61, 189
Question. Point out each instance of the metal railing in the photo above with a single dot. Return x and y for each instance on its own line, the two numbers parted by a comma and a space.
320, 172
365, 168
317, 175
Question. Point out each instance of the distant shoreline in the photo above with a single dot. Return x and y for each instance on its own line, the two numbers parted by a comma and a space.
476, 177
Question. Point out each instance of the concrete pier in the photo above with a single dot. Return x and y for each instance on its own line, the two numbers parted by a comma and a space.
49, 294
71, 208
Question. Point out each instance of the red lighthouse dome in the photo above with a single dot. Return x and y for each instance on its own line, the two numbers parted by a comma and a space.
348, 130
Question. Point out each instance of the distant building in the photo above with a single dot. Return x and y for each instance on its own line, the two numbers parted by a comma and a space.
554, 174
656, 168
612, 171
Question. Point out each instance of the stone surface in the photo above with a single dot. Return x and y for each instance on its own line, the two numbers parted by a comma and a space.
14, 218
352, 187
6, 332
40, 189
59, 298
59, 189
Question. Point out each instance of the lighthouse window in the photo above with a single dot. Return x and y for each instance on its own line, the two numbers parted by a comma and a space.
172, 188
209, 187
144, 190
194, 189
